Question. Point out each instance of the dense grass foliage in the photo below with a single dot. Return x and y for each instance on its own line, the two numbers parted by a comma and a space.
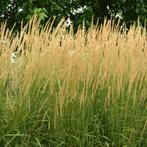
82, 90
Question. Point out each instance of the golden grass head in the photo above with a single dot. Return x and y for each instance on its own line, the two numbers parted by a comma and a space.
93, 57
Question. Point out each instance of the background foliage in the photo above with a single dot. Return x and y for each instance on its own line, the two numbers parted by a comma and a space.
129, 11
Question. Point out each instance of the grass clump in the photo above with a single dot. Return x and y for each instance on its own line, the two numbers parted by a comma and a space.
86, 89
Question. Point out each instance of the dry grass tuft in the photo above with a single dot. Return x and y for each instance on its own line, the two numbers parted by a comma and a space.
83, 89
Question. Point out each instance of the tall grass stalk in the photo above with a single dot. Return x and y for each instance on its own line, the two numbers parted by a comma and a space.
65, 89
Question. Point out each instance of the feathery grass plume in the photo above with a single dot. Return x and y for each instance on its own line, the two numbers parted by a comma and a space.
83, 89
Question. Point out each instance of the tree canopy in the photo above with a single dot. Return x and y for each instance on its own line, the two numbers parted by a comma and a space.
14, 11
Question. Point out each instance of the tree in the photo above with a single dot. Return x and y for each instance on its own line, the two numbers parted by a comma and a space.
14, 11
129, 11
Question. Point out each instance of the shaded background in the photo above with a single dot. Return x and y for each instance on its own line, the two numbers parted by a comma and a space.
75, 11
